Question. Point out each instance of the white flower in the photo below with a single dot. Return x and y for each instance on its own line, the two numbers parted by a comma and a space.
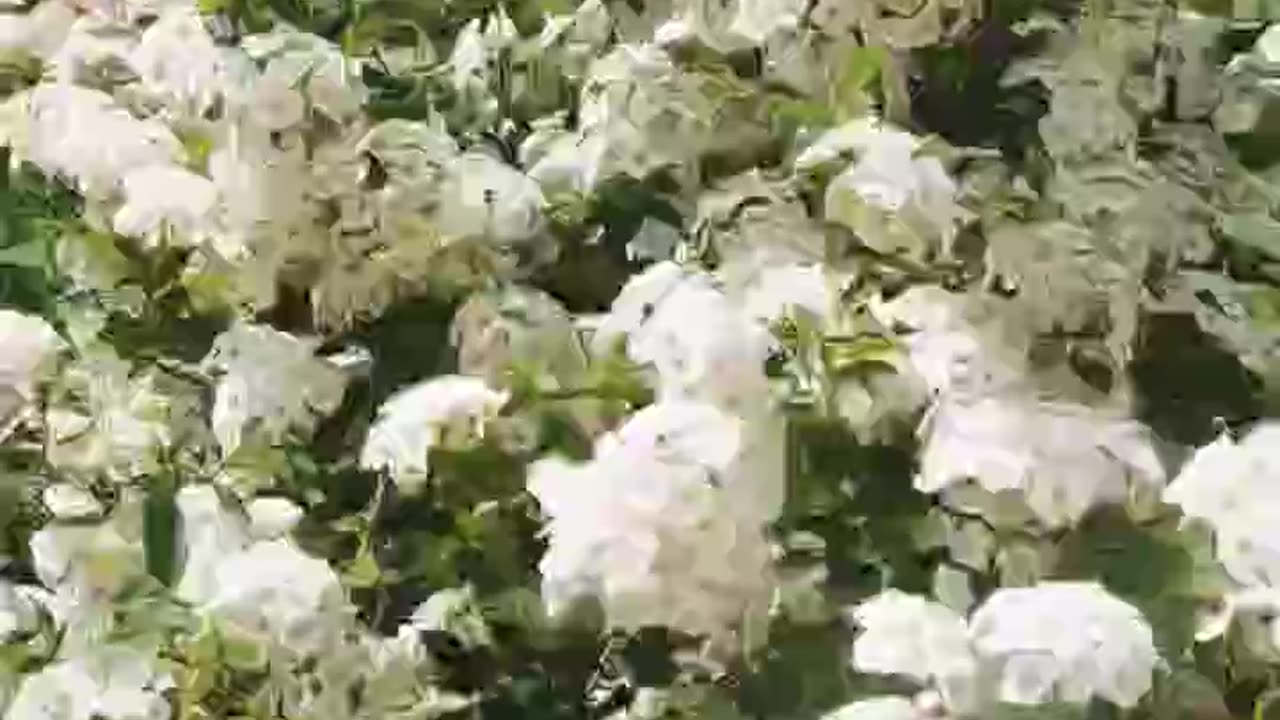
951, 346
306, 66
29, 344
93, 50
177, 59
1055, 642
1063, 458
924, 640
854, 138
272, 379
881, 708
276, 104
1231, 487
395, 664
125, 426
69, 501
696, 339
272, 517
637, 114
1064, 641
778, 290
20, 607
757, 20
418, 418
1255, 615
87, 565
260, 188
112, 682
895, 200
469, 68
731, 25
80, 134
482, 197
1216, 482
159, 198
210, 533
566, 162
39, 32
656, 526
275, 592
455, 611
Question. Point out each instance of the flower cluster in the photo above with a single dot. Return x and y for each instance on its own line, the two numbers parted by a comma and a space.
352, 353
1058, 641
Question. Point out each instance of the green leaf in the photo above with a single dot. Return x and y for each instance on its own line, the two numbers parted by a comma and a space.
362, 572
160, 526
1253, 230
32, 254
859, 73
241, 650
1187, 695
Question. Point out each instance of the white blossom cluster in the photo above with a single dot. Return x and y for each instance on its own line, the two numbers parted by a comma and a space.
987, 435
242, 576
1227, 487
665, 525
1055, 642
242, 180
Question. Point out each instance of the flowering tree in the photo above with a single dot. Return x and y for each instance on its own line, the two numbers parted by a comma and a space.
797, 359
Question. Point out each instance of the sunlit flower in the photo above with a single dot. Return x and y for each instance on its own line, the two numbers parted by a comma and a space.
414, 420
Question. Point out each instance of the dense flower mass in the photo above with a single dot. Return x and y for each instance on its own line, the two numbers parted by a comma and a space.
663, 525
1059, 641
569, 359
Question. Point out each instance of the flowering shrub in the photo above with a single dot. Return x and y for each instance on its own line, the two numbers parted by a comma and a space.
840, 359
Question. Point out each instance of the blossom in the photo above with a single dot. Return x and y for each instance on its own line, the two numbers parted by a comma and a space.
269, 378
82, 135
908, 635
1065, 641
881, 708
1253, 613
272, 517
38, 32
310, 65
454, 611
696, 339
951, 345
278, 594
771, 283
210, 533
1062, 457
68, 501
894, 199
119, 426
275, 103
20, 607
86, 566
166, 197
1229, 485
1054, 642
732, 25
654, 527
637, 114
414, 420
92, 50
177, 59
112, 682
29, 344
482, 197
